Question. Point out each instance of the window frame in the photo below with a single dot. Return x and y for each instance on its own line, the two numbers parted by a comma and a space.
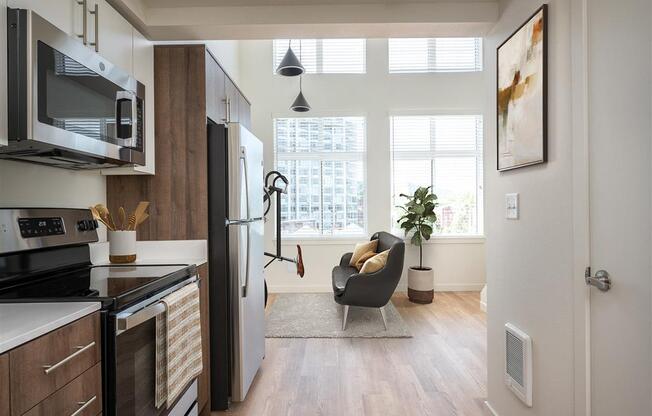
327, 156
319, 56
479, 235
431, 57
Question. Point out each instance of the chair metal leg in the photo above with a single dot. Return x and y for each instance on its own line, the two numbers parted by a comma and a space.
382, 313
346, 315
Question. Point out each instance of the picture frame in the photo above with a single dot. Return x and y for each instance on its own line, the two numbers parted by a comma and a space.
522, 95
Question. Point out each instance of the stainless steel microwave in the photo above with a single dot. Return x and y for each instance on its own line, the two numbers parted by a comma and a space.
67, 106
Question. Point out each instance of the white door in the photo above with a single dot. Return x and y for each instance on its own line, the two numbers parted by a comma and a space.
619, 46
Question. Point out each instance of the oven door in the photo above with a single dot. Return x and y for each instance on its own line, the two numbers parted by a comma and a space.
132, 377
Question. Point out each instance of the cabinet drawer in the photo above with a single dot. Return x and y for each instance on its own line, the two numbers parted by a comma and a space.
82, 395
48, 363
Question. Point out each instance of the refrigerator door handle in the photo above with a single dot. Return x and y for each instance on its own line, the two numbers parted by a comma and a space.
245, 286
243, 160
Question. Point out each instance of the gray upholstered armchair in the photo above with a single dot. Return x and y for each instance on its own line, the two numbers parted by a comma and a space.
371, 290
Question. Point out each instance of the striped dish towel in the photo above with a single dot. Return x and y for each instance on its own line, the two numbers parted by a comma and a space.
178, 344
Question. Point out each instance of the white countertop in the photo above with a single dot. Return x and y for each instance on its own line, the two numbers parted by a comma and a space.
158, 252
23, 322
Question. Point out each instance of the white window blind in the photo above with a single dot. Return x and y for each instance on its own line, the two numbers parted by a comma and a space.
325, 56
324, 161
445, 152
435, 55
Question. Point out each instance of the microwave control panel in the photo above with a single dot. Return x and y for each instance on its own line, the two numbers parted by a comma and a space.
41, 227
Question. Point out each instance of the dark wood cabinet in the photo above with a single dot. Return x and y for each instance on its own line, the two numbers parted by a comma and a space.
4, 385
45, 365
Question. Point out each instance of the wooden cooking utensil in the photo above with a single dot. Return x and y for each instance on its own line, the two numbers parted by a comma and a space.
140, 211
132, 223
106, 216
142, 219
122, 217
97, 216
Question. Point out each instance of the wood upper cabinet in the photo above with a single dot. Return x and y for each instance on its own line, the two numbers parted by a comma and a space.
4, 385
215, 92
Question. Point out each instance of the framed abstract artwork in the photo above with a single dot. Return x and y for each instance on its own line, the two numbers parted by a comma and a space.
521, 100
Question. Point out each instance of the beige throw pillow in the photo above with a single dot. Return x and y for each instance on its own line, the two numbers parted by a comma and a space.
375, 263
361, 249
363, 259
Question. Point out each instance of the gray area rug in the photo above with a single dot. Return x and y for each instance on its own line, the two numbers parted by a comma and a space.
316, 315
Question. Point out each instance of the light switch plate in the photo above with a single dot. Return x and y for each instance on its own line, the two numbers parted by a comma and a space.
511, 206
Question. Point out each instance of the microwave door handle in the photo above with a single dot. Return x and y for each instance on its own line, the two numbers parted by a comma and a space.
127, 140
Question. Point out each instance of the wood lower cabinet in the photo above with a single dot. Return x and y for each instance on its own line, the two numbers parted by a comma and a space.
4, 385
58, 373
204, 380
83, 395
45, 365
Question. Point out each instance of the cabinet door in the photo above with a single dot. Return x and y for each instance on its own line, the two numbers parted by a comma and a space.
244, 112
112, 34
232, 101
64, 14
4, 385
215, 93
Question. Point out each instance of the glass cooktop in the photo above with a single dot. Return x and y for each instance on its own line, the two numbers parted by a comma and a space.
114, 285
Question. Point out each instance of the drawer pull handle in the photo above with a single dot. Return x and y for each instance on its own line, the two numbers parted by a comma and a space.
80, 350
84, 405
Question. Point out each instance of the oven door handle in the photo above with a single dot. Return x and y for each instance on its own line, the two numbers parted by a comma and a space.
145, 314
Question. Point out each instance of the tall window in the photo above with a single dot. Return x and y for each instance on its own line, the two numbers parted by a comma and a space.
325, 56
324, 160
445, 152
435, 55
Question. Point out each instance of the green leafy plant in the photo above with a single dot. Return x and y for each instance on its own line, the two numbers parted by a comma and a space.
419, 217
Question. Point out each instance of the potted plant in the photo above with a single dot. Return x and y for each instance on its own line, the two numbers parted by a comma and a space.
418, 218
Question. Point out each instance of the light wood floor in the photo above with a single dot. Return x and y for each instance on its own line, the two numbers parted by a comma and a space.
441, 371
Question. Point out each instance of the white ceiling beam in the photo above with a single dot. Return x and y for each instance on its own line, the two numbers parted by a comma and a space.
339, 20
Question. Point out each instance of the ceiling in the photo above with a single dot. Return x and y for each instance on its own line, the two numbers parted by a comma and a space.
241, 3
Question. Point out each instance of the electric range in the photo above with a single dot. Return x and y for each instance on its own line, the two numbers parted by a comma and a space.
45, 257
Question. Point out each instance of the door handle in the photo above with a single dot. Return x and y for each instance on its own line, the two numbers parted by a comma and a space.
84, 405
601, 280
84, 35
96, 13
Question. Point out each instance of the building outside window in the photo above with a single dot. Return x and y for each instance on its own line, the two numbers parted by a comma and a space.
324, 160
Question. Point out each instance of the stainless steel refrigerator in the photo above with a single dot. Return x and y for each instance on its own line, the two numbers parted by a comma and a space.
236, 247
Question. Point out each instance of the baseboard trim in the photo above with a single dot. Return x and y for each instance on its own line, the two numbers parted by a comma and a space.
450, 287
445, 287
491, 409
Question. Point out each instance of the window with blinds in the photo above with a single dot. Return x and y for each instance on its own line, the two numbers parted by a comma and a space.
435, 55
324, 161
445, 152
325, 56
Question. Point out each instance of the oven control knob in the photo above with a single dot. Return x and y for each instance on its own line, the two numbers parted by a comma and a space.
82, 225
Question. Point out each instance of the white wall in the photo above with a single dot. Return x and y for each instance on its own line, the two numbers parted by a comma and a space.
530, 260
459, 264
30, 185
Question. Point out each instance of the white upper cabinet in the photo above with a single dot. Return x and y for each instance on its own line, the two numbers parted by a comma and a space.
65, 14
112, 33
143, 64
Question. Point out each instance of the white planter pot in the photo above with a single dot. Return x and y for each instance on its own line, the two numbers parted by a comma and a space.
122, 246
421, 285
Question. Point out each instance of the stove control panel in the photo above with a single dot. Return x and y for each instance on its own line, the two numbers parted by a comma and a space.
41, 227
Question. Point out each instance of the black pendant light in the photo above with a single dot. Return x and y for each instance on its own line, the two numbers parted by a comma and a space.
290, 66
300, 104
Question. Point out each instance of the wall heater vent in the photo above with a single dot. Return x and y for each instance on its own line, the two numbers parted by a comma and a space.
518, 363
